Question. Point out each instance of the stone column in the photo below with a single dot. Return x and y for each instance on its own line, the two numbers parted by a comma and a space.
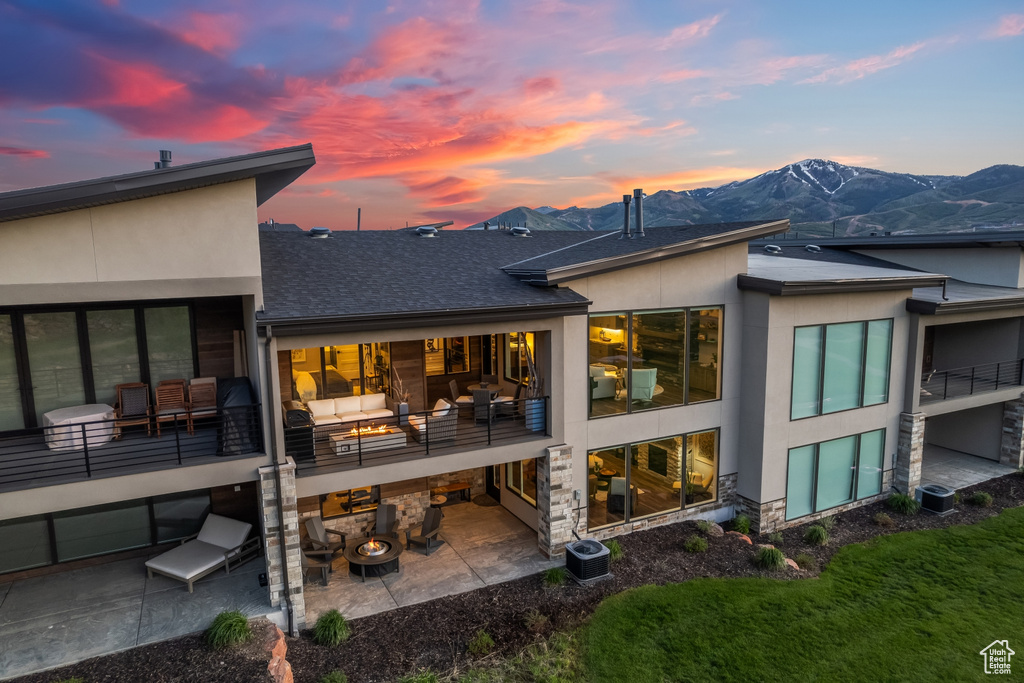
909, 452
1010, 451
286, 577
554, 501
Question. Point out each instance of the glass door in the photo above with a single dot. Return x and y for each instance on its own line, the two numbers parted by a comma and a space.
54, 361
11, 413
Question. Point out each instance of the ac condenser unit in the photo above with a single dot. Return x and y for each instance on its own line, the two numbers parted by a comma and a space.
587, 560
936, 499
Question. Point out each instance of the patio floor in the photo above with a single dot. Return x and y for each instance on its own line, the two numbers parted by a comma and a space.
956, 470
485, 545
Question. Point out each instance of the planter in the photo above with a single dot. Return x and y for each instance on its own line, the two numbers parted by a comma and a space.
535, 414
402, 411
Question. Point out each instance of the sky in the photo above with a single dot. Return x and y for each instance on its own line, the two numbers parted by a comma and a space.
422, 111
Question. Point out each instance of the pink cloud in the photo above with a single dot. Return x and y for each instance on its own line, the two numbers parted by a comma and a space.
1010, 25
859, 68
24, 153
216, 33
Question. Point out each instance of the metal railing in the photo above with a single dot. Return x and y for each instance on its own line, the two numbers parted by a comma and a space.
940, 385
59, 454
378, 441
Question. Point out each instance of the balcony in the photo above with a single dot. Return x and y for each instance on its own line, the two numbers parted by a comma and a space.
941, 385
368, 443
45, 456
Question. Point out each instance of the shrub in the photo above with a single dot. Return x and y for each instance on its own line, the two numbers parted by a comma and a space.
981, 499
74, 679
703, 526
614, 550
741, 524
882, 519
534, 620
770, 558
228, 628
806, 561
480, 644
330, 629
554, 577
827, 522
904, 504
334, 677
424, 676
775, 538
816, 535
696, 544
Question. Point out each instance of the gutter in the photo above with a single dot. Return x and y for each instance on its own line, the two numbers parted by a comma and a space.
289, 607
790, 288
941, 307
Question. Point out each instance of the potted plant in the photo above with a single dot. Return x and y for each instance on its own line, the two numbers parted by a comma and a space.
534, 408
401, 398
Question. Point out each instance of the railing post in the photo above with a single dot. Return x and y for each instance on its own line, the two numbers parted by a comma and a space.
973, 368
945, 385
426, 432
998, 369
490, 410
85, 449
177, 438
359, 441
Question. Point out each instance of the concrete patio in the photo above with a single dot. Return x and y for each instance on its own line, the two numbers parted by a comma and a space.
956, 470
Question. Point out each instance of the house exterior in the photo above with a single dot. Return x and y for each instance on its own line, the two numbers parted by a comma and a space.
591, 383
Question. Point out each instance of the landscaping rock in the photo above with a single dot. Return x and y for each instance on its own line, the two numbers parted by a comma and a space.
768, 546
792, 564
279, 669
739, 535
715, 531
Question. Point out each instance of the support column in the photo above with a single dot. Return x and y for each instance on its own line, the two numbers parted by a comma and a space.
554, 501
287, 576
1011, 451
910, 452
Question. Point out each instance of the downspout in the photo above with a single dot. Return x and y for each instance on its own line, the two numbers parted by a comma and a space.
289, 608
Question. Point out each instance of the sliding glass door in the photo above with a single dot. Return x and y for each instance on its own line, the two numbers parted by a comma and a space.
54, 361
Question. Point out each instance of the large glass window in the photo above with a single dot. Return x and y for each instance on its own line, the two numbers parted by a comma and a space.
349, 502
11, 415
179, 515
839, 367
26, 543
101, 530
114, 349
521, 479
169, 343
643, 360
517, 367
446, 356
832, 473
55, 361
659, 476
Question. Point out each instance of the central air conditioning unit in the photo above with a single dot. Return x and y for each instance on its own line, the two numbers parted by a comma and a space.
936, 499
587, 560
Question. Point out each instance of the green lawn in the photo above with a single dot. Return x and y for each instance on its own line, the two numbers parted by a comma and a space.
914, 606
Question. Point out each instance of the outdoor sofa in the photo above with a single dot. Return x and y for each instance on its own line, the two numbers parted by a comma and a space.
330, 411
222, 542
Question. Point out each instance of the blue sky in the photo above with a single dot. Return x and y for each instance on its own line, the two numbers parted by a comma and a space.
446, 110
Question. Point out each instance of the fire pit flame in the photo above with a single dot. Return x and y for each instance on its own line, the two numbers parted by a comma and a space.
373, 547
371, 430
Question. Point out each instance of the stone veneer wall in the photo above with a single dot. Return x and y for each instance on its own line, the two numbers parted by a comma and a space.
410, 511
475, 477
771, 516
726, 499
909, 452
275, 533
554, 501
1011, 449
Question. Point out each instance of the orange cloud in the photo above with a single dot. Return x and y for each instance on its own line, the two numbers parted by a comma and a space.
133, 85
439, 191
217, 33
859, 68
1010, 25
24, 153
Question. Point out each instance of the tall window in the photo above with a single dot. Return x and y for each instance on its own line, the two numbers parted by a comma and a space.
516, 365
446, 356
839, 367
521, 479
832, 473
642, 360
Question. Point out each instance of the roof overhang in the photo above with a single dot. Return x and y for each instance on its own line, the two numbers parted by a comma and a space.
927, 307
798, 287
273, 171
576, 271
290, 327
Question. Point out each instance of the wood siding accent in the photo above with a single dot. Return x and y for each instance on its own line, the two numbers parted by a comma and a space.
407, 360
284, 372
216, 321
401, 488
241, 505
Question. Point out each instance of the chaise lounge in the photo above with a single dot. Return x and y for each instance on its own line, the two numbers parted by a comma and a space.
220, 543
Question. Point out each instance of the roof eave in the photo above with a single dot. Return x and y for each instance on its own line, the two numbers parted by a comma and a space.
926, 307
787, 288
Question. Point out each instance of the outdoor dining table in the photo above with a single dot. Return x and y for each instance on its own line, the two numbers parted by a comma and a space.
493, 388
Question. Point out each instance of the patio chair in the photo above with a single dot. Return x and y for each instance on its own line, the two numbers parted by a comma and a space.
440, 424
171, 405
220, 543
319, 536
507, 406
202, 399
132, 407
429, 532
460, 400
323, 564
483, 409
385, 522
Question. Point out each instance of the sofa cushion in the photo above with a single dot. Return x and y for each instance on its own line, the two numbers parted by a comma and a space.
223, 531
378, 413
345, 405
322, 407
368, 402
188, 560
351, 417
596, 371
321, 420
441, 408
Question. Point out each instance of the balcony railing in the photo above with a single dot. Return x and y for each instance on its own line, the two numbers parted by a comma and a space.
45, 456
366, 443
945, 384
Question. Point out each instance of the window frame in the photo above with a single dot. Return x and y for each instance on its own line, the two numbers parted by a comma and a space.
855, 485
522, 478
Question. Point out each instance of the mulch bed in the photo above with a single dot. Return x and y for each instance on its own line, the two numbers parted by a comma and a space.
434, 635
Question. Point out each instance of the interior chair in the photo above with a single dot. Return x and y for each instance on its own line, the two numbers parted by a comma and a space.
385, 522
642, 383
483, 409
132, 407
617, 496
602, 385
305, 386
171, 405
461, 400
429, 532
319, 537
323, 563
202, 399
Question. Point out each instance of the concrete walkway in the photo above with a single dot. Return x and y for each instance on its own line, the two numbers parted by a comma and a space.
60, 619
956, 470
485, 546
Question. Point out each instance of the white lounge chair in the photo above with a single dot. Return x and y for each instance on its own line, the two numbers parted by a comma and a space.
220, 543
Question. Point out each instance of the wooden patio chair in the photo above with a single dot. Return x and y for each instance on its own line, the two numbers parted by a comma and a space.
202, 399
132, 407
171, 405
323, 564
429, 532
319, 537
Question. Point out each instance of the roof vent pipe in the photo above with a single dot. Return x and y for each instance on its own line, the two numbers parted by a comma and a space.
520, 231
625, 217
426, 231
319, 233
638, 204
165, 159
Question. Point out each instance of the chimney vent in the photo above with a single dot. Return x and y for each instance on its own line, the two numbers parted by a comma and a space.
165, 159
319, 233
638, 206
625, 216
772, 249
426, 231
520, 231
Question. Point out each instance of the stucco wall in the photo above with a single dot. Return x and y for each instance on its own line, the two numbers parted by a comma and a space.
977, 431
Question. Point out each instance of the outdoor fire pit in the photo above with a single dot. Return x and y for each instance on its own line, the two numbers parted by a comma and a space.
369, 556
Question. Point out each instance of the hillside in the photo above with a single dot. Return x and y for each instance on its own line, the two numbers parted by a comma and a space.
819, 196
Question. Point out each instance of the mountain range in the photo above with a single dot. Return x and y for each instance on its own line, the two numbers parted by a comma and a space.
819, 197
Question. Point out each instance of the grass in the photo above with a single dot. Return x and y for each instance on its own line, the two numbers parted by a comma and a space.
912, 606
330, 629
806, 561
556, 660
704, 526
816, 535
534, 620
775, 538
334, 677
615, 551
227, 629
553, 577
902, 503
770, 558
696, 544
